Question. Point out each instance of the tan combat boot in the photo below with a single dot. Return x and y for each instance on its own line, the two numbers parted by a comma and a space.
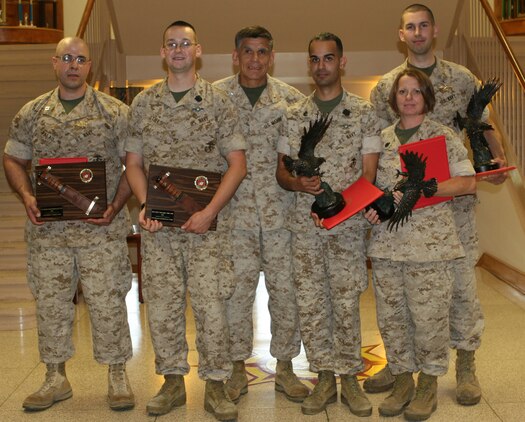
325, 392
352, 395
218, 402
120, 396
400, 397
468, 390
382, 381
171, 394
55, 388
237, 385
425, 401
287, 382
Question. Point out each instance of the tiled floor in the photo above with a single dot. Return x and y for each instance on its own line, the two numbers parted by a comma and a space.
501, 369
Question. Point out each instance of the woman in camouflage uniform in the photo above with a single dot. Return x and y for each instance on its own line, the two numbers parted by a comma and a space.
412, 265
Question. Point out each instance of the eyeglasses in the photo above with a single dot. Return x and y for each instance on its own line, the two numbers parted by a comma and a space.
68, 58
413, 92
184, 45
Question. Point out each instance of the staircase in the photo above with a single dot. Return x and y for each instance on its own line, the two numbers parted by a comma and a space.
518, 47
26, 73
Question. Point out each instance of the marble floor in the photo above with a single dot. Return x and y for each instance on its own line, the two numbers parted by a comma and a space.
501, 370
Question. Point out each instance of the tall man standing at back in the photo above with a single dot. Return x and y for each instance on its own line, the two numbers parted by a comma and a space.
259, 206
454, 86
185, 122
330, 266
74, 120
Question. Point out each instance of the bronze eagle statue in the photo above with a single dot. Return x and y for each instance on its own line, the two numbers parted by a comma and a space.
412, 186
307, 164
475, 127
328, 203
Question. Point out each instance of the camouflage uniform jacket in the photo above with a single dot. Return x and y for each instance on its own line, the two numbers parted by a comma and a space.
96, 128
430, 233
354, 131
198, 132
260, 203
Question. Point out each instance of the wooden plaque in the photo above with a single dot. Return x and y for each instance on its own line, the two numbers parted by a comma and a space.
85, 182
174, 194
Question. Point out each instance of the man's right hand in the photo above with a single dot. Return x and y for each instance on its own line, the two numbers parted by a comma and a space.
147, 224
311, 185
32, 210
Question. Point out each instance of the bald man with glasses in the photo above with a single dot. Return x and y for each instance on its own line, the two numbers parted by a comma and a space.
74, 120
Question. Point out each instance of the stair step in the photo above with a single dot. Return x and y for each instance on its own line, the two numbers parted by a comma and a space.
13, 277
17, 315
13, 256
11, 105
10, 204
12, 234
26, 90
15, 292
36, 72
26, 53
13, 222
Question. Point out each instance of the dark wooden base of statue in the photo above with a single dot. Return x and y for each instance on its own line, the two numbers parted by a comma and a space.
330, 211
383, 206
88, 179
174, 194
485, 167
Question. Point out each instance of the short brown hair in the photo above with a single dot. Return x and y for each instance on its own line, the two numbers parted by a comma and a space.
416, 7
427, 90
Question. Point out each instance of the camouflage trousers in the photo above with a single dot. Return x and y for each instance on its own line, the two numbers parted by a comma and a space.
329, 275
104, 272
174, 262
466, 318
271, 252
413, 300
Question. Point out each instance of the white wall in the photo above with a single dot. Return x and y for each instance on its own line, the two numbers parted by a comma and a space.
501, 223
73, 10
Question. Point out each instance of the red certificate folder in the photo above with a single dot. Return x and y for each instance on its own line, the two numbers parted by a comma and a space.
357, 196
480, 176
435, 149
62, 160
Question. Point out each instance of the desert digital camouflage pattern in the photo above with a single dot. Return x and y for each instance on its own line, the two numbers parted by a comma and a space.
259, 207
454, 86
197, 133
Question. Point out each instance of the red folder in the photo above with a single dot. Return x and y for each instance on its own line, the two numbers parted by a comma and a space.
357, 196
435, 149
62, 160
481, 175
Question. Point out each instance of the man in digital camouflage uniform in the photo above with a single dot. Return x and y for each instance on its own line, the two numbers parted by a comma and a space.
185, 122
454, 86
259, 207
330, 266
74, 120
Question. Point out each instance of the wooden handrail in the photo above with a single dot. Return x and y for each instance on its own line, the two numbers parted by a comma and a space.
504, 43
85, 18
114, 24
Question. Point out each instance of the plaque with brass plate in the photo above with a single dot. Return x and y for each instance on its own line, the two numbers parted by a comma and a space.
71, 191
174, 194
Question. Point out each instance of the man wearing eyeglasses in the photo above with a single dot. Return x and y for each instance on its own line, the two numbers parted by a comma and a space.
185, 122
259, 207
74, 120
454, 86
